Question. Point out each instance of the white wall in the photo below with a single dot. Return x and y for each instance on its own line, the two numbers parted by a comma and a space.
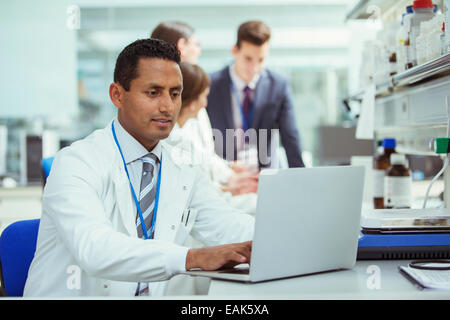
37, 60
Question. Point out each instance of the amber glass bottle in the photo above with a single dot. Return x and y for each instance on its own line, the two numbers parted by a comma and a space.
398, 184
381, 163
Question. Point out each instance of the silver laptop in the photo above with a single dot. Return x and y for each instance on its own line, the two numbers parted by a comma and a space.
307, 221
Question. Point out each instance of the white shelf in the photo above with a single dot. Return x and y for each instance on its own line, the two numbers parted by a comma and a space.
438, 66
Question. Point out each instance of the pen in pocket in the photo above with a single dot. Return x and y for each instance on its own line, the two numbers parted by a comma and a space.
187, 218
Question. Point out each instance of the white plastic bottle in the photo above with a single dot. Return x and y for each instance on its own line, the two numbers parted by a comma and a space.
402, 37
423, 11
421, 42
443, 40
392, 29
434, 40
446, 13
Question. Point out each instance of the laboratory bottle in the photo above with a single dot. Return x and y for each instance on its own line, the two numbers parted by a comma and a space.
402, 36
446, 27
423, 10
443, 40
381, 163
398, 184
435, 39
391, 46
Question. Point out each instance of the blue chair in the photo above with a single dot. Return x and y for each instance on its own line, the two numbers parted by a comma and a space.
46, 164
17, 247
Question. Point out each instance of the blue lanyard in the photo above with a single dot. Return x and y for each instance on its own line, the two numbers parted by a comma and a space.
245, 122
155, 210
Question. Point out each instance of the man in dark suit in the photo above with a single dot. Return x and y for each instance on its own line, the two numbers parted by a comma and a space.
245, 95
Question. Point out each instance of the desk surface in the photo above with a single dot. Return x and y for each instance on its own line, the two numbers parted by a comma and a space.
361, 282
19, 203
21, 192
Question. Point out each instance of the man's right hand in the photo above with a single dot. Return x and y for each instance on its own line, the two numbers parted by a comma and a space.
219, 257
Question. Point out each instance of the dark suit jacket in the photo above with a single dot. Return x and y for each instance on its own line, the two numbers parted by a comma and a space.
273, 109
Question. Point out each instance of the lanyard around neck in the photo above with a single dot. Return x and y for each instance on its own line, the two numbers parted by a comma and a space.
136, 201
246, 122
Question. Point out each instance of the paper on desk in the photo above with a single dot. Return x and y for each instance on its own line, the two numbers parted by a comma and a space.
431, 279
365, 127
412, 218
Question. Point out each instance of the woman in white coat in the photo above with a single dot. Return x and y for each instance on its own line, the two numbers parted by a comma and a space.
238, 188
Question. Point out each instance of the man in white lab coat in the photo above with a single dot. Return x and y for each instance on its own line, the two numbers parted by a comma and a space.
90, 236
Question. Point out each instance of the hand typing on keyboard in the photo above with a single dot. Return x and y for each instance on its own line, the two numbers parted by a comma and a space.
219, 257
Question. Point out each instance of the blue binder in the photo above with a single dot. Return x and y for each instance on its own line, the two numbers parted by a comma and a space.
404, 246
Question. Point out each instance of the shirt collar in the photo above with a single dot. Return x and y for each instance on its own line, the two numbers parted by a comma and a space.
241, 84
132, 150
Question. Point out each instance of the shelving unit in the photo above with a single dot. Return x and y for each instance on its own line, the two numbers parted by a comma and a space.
437, 67
413, 106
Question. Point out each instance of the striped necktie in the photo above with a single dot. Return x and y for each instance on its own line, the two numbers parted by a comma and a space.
147, 204
147, 193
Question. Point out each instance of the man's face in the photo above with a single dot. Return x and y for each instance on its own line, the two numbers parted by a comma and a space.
250, 59
149, 110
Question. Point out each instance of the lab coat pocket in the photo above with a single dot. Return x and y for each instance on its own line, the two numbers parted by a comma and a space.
186, 224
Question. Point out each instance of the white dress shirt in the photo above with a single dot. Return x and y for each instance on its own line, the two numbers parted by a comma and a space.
240, 85
246, 153
133, 153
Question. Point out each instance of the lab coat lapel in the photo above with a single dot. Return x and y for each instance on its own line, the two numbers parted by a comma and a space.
176, 186
262, 92
124, 199
123, 195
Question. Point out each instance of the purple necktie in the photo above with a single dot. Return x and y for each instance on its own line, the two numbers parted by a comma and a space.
246, 103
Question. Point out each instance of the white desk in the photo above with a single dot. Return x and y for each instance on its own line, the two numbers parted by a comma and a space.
19, 203
345, 284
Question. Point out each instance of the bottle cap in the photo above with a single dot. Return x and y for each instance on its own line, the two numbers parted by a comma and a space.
389, 143
423, 4
441, 145
397, 158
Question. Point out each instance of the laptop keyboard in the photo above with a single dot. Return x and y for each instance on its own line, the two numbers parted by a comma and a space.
237, 271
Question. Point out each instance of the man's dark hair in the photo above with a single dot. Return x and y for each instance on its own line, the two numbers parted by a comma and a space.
127, 62
255, 32
172, 31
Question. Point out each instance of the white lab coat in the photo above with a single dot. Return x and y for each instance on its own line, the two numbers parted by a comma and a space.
191, 136
194, 147
87, 242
